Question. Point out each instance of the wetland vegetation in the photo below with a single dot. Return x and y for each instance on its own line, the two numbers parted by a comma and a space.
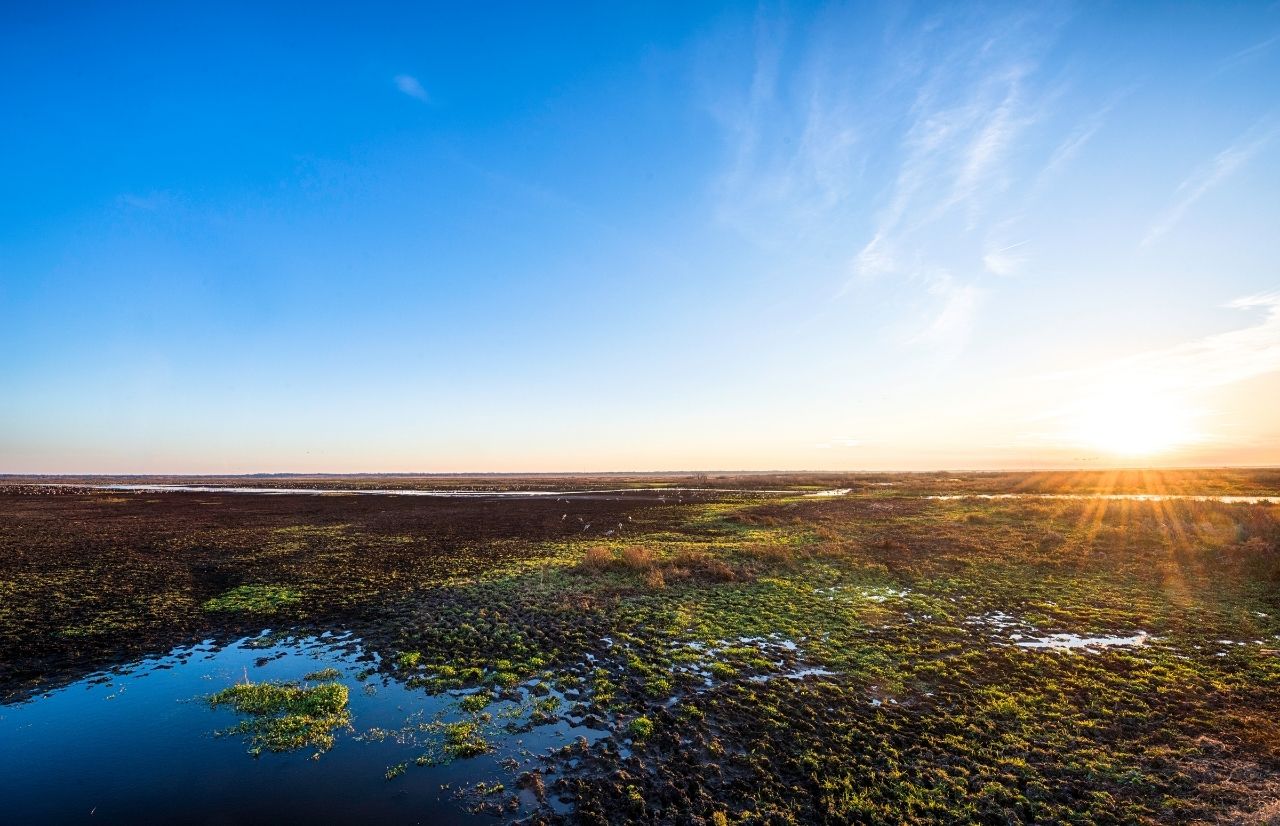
719, 655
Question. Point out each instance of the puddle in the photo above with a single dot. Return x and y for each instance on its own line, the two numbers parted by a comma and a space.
1006, 629
138, 745
996, 619
795, 674
876, 594
786, 656
1087, 643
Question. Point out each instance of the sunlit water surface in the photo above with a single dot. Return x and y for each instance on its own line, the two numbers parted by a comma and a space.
463, 493
1120, 497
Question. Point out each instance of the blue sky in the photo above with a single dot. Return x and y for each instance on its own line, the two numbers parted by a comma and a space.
516, 237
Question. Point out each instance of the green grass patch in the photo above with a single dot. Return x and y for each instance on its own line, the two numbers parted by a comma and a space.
475, 703
256, 598
323, 675
464, 739
287, 716
640, 728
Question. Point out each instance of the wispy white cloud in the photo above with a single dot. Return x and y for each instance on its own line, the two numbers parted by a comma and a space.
1070, 147
954, 305
981, 170
1007, 260
792, 137
1210, 361
1210, 175
973, 105
912, 154
1248, 53
1221, 359
411, 86
967, 167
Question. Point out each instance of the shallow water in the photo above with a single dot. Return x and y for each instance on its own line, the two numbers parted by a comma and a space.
1126, 497
138, 745
662, 492
1086, 643
450, 492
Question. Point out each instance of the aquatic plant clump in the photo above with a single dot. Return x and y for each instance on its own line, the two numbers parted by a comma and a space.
287, 716
257, 599
464, 739
323, 675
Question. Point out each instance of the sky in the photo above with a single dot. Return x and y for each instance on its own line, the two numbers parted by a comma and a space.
638, 236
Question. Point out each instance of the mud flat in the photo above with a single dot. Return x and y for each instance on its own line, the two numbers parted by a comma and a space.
689, 649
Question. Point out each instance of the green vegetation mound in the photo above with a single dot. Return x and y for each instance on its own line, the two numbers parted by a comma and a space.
287, 716
258, 599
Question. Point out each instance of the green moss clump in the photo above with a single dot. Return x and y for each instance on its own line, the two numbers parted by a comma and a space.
323, 675
287, 716
462, 740
475, 703
723, 670
640, 728
506, 679
255, 598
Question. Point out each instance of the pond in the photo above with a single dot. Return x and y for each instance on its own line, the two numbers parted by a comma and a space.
142, 743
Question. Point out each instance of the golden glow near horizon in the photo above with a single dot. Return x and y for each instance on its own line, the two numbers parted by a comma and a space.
1130, 422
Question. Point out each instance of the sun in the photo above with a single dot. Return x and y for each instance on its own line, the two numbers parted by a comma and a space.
1129, 423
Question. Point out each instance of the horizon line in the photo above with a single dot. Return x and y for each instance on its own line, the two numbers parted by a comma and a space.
340, 474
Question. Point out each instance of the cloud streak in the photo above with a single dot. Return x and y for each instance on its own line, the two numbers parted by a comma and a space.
1004, 260
912, 153
791, 137
1217, 360
1209, 176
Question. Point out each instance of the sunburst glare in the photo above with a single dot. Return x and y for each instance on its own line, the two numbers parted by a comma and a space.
1130, 422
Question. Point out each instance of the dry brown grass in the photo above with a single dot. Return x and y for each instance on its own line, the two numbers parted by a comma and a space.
597, 558
637, 558
778, 556
701, 565
657, 573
